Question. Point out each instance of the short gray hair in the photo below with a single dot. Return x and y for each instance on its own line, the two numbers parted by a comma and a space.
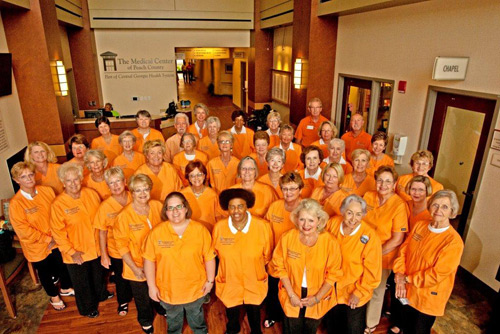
275, 151
214, 119
337, 141
446, 193
353, 198
179, 115
201, 106
68, 167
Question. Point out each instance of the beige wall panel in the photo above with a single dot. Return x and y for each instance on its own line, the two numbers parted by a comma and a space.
69, 18
267, 4
281, 8
282, 48
244, 6
74, 6
277, 21
343, 7
17, 3
132, 4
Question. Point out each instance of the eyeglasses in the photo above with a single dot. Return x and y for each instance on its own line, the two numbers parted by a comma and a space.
422, 163
437, 206
175, 207
143, 190
291, 189
379, 181
416, 190
247, 169
27, 176
193, 176
227, 141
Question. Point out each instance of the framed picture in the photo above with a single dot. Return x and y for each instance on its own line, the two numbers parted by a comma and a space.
228, 68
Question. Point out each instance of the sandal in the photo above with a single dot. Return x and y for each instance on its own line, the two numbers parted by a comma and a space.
370, 330
268, 323
68, 293
123, 309
58, 306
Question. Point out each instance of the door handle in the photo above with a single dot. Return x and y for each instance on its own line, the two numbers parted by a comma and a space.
468, 194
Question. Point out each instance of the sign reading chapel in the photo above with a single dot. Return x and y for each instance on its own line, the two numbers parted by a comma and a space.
116, 67
450, 68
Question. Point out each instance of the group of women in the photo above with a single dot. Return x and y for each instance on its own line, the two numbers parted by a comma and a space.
312, 234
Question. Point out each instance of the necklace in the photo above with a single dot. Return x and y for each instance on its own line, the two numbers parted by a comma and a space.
198, 193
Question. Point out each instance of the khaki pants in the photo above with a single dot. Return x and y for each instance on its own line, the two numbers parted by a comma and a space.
374, 309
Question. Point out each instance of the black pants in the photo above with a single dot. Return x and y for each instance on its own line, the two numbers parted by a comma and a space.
273, 306
88, 282
233, 318
301, 324
416, 322
343, 320
123, 290
396, 307
52, 266
145, 305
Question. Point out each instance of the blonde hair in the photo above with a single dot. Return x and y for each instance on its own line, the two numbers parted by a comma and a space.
19, 167
124, 134
150, 144
96, 154
334, 128
51, 156
313, 208
112, 172
139, 178
357, 152
69, 167
422, 154
336, 167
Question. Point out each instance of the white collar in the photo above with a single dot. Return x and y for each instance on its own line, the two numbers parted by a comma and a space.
244, 230
315, 176
27, 195
352, 233
437, 230
198, 129
272, 134
189, 157
321, 141
290, 147
342, 160
243, 130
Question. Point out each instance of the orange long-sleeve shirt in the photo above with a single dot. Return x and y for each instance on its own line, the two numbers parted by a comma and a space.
307, 130
153, 135
292, 162
243, 255
403, 181
50, 178
310, 184
180, 162
243, 143
267, 180
210, 149
390, 217
72, 224
363, 140
180, 262
129, 167
321, 262
279, 219
164, 183
361, 261
205, 209
414, 218
264, 196
430, 260
30, 219
332, 204
192, 129
323, 146
105, 220
111, 150
220, 176
172, 147
368, 184
101, 187
130, 231
262, 166
375, 164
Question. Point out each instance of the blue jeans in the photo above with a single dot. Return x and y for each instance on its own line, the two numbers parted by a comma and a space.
194, 316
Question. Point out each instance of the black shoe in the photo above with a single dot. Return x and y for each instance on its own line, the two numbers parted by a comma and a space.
108, 295
93, 314
150, 330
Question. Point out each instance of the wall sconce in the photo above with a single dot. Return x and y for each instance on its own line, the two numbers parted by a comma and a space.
59, 78
299, 73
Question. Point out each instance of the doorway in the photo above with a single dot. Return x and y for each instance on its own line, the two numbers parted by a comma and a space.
243, 85
457, 139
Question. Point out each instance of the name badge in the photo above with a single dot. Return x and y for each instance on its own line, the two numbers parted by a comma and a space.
364, 239
310, 127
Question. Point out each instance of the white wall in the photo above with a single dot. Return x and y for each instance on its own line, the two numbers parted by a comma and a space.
401, 43
155, 45
12, 118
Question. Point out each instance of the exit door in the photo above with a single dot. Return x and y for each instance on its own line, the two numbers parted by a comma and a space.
458, 136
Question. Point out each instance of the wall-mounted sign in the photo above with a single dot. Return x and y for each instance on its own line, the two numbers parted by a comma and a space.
204, 53
239, 55
450, 68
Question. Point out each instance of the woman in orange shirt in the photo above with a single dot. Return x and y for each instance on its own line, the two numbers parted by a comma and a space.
331, 194
199, 127
203, 200
261, 144
208, 144
41, 155
134, 223
275, 158
278, 216
307, 261
361, 267
78, 146
419, 188
427, 263
29, 213
105, 221
421, 163
243, 244
189, 153
311, 157
243, 136
336, 149
129, 160
378, 157
326, 131
359, 181
72, 223
107, 142
273, 124
179, 263
223, 170
292, 151
163, 175
96, 162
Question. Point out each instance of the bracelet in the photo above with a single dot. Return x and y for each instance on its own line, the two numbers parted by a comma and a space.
211, 282
316, 299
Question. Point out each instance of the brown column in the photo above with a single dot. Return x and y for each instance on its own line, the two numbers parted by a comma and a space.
260, 63
84, 59
34, 41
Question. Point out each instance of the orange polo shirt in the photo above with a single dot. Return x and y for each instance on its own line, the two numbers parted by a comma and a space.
130, 231
350, 187
105, 220
101, 187
50, 179
180, 262
332, 204
172, 147
243, 255
392, 216
292, 161
403, 181
321, 262
262, 166
430, 260
220, 176
204, 208
72, 224
164, 183
307, 131
279, 219
85, 169
361, 261
129, 167
375, 164
264, 196
30, 219
274, 140
210, 149
243, 143
153, 135
111, 150
323, 146
266, 180
192, 129
413, 219
363, 140
180, 162
310, 183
